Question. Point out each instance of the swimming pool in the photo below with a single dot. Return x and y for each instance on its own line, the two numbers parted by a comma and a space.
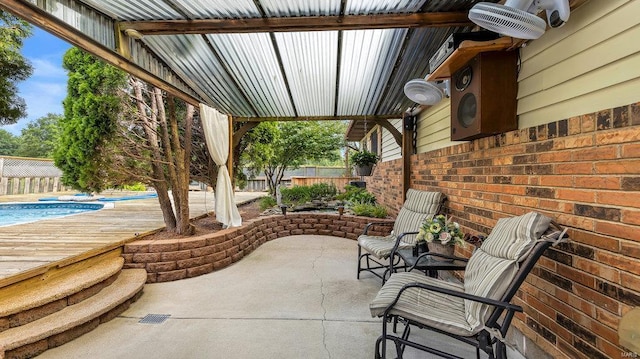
19, 213
83, 197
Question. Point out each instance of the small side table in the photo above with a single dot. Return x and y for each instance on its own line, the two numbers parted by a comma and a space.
427, 264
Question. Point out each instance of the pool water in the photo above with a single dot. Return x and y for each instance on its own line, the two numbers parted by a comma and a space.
82, 197
18, 213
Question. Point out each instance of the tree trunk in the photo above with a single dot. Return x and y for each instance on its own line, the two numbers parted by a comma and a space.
268, 173
181, 159
279, 176
175, 155
160, 184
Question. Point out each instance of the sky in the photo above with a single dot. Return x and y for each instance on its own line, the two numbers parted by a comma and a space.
44, 91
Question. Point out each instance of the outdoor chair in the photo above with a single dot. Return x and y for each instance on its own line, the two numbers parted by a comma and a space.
477, 312
377, 249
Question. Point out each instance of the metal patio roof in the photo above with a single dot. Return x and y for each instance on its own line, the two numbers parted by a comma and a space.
264, 59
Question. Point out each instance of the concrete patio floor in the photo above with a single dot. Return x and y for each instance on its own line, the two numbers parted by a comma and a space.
294, 297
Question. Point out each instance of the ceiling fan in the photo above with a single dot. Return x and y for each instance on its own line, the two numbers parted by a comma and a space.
518, 18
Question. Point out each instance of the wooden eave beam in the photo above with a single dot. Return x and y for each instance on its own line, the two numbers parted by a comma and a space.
317, 118
237, 136
302, 23
46, 21
392, 130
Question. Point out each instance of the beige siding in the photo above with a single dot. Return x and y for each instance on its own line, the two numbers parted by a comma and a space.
390, 148
434, 127
591, 63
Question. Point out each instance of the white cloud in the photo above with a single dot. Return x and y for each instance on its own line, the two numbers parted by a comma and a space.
42, 98
45, 89
45, 68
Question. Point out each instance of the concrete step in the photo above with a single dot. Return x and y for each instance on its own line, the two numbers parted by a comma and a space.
72, 321
31, 299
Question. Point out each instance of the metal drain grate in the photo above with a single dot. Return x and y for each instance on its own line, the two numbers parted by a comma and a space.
154, 318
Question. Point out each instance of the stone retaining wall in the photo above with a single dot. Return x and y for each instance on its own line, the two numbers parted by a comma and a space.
174, 259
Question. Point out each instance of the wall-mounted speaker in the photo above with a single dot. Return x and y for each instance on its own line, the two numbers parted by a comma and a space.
483, 96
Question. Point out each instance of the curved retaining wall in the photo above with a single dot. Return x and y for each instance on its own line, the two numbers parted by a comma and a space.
174, 259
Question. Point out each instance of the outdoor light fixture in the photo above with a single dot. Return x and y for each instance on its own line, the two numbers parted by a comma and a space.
133, 33
283, 208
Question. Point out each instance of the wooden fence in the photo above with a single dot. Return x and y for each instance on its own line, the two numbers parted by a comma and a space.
20, 175
339, 182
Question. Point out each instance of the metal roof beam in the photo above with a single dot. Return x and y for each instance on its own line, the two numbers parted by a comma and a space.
317, 118
303, 23
50, 23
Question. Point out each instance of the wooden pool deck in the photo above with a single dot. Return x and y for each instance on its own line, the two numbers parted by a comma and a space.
28, 248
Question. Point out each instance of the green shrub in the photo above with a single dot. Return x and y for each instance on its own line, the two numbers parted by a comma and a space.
357, 195
302, 194
139, 187
295, 194
322, 191
267, 202
369, 210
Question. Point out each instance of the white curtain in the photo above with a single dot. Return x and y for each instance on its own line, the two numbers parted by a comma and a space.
216, 133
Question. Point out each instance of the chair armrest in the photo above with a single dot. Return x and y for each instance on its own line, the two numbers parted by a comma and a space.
441, 256
366, 228
398, 238
496, 303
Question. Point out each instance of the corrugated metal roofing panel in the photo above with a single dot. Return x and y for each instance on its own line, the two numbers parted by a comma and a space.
286, 8
83, 18
219, 9
242, 73
310, 60
252, 61
367, 61
364, 7
414, 64
190, 57
451, 5
136, 10
151, 63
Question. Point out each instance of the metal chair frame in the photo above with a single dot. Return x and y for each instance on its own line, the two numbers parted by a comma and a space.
384, 264
499, 320
379, 264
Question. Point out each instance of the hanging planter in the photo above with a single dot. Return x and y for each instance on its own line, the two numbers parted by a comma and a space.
363, 162
364, 170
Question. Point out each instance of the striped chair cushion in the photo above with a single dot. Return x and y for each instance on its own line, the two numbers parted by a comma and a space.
492, 267
418, 206
380, 247
434, 309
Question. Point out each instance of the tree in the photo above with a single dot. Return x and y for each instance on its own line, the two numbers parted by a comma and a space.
40, 137
91, 108
274, 147
8, 143
13, 67
118, 130
168, 153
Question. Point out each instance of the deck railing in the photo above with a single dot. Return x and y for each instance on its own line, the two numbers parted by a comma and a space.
19, 175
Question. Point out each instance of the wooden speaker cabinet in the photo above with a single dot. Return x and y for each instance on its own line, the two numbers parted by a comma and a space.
483, 96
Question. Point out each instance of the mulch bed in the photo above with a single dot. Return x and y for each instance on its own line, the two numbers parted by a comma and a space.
209, 224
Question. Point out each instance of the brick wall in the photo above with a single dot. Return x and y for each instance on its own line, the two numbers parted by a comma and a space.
585, 173
174, 259
386, 184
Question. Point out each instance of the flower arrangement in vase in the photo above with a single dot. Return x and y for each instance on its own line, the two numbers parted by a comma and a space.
441, 235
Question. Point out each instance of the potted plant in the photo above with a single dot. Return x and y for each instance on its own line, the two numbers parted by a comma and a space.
363, 162
441, 234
